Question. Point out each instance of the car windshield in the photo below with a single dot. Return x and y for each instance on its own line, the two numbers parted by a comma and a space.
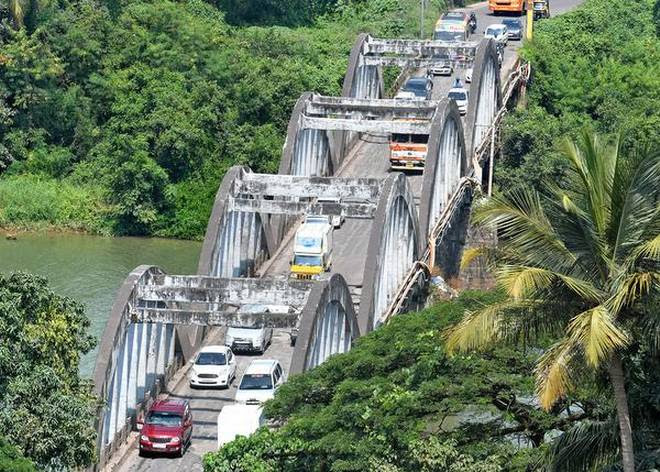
415, 86
493, 31
211, 358
256, 382
307, 260
458, 95
163, 418
448, 36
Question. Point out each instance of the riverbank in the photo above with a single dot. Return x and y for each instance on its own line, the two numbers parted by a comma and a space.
90, 269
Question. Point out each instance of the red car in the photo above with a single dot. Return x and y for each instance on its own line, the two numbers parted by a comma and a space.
167, 427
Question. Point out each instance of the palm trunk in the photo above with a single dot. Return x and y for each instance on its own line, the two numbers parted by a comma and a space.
625, 427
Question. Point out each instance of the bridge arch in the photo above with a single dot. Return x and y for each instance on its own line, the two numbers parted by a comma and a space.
485, 97
362, 80
131, 360
394, 246
446, 163
328, 324
308, 152
236, 242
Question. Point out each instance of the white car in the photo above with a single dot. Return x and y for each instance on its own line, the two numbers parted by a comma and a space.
215, 366
335, 220
259, 382
468, 75
249, 338
460, 95
405, 95
497, 32
239, 420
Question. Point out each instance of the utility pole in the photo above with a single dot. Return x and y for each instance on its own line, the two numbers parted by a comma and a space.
421, 21
530, 18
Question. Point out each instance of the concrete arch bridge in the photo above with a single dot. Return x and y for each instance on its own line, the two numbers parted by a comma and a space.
397, 226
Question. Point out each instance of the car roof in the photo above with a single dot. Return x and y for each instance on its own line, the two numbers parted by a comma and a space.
418, 79
261, 366
171, 405
222, 349
496, 25
457, 89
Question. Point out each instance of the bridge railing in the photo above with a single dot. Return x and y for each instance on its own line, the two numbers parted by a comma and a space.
422, 268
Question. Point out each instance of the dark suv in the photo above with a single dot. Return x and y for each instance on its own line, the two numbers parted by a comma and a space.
166, 428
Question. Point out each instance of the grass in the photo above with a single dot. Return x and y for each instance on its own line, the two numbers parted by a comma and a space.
29, 202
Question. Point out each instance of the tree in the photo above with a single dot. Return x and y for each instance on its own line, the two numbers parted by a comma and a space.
13, 461
576, 263
46, 410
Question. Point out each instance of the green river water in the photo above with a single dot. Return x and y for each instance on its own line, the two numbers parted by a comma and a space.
91, 269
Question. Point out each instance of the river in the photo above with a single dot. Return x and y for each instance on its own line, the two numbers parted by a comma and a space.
90, 269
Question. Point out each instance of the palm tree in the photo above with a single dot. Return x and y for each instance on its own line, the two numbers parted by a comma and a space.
575, 262
18, 10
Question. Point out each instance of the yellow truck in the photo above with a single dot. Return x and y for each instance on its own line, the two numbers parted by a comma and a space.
312, 249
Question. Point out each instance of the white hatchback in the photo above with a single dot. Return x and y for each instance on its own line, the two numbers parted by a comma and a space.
260, 381
215, 366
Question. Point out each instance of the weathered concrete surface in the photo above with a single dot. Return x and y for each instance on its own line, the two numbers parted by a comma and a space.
323, 105
281, 207
188, 317
278, 185
366, 126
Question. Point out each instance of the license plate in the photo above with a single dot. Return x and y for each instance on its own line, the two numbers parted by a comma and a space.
409, 164
159, 446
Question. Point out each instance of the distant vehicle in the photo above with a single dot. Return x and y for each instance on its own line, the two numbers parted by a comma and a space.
472, 23
166, 428
460, 95
442, 65
541, 9
312, 248
453, 26
249, 338
468, 75
335, 220
455, 16
238, 420
420, 87
408, 151
498, 32
515, 6
514, 28
260, 381
214, 366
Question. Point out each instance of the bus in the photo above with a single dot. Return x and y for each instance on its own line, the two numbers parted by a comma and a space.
511, 6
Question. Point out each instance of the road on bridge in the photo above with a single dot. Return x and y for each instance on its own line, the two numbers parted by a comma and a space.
369, 158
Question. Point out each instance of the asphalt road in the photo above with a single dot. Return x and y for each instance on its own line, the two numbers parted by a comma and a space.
368, 159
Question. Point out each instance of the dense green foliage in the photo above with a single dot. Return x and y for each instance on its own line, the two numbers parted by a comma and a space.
46, 410
12, 461
598, 66
398, 402
141, 106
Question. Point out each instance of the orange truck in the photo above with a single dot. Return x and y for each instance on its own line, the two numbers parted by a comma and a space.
408, 151
515, 6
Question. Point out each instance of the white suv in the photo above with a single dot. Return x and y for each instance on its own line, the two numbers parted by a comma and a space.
215, 366
250, 339
259, 382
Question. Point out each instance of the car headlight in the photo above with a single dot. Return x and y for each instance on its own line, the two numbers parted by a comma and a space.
257, 342
229, 340
144, 437
175, 440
